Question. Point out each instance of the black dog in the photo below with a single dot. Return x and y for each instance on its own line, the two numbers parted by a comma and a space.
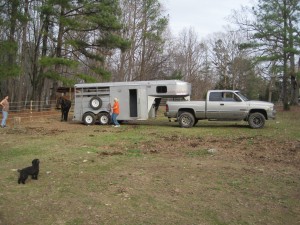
32, 171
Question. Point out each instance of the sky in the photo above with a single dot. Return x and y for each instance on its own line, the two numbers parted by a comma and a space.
204, 16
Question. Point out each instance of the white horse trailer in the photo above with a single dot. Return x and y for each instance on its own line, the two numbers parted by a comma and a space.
139, 100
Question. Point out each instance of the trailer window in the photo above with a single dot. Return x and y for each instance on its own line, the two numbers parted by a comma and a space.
161, 89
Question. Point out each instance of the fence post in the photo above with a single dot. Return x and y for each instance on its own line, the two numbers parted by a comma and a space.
17, 121
31, 110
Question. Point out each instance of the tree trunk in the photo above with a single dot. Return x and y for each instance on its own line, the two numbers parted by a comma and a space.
58, 53
294, 86
285, 59
12, 55
22, 75
133, 45
143, 53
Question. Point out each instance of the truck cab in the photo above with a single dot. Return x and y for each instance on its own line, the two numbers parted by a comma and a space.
226, 105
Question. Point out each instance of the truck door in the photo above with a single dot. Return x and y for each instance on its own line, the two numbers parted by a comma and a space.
213, 105
225, 106
232, 107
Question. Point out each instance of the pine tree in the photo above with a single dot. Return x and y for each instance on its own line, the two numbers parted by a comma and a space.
275, 33
60, 42
87, 32
9, 17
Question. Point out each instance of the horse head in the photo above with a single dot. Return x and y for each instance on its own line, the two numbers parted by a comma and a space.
59, 101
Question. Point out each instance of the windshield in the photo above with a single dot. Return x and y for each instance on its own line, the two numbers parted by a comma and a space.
242, 96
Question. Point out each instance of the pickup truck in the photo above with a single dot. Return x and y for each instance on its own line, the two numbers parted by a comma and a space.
221, 105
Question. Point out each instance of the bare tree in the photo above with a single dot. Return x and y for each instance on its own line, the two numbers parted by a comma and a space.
190, 60
233, 66
144, 25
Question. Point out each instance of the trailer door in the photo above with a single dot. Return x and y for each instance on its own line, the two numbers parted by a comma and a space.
142, 104
138, 107
133, 103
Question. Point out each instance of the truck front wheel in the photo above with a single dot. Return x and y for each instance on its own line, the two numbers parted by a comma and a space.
256, 120
196, 121
186, 120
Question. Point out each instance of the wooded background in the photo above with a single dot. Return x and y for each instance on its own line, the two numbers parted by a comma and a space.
46, 44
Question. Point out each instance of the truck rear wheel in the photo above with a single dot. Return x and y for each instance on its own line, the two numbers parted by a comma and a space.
186, 120
256, 120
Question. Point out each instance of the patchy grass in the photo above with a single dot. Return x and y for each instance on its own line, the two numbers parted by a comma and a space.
152, 172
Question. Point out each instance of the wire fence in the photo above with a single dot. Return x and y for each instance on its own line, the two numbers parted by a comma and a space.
31, 105
31, 111
36, 110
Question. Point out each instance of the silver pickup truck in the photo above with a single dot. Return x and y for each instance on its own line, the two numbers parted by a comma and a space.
222, 105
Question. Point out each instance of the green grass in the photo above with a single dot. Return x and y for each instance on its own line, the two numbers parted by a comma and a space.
153, 172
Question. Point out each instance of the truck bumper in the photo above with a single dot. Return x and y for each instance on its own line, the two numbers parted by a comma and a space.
272, 114
170, 117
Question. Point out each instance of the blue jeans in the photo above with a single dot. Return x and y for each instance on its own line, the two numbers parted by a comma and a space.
114, 118
4, 118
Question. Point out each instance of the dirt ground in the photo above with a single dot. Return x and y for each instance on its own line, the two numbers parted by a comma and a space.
255, 178
254, 149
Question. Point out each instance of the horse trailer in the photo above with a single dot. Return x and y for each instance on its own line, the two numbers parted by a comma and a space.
139, 100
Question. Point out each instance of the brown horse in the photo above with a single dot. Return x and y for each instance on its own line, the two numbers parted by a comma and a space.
65, 106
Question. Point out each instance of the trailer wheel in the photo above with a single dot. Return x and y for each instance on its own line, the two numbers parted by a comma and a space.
88, 118
104, 118
256, 120
95, 102
186, 120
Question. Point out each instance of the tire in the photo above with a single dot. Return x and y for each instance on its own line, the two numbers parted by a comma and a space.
196, 121
256, 120
95, 102
88, 118
104, 118
186, 120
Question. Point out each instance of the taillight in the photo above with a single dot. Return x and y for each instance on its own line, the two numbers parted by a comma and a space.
167, 108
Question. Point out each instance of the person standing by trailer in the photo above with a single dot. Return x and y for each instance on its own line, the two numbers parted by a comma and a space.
116, 112
5, 108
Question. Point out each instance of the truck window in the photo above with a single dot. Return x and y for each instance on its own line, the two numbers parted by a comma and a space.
242, 96
230, 97
161, 89
215, 96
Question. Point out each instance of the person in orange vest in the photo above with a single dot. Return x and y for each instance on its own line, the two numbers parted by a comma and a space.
116, 112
